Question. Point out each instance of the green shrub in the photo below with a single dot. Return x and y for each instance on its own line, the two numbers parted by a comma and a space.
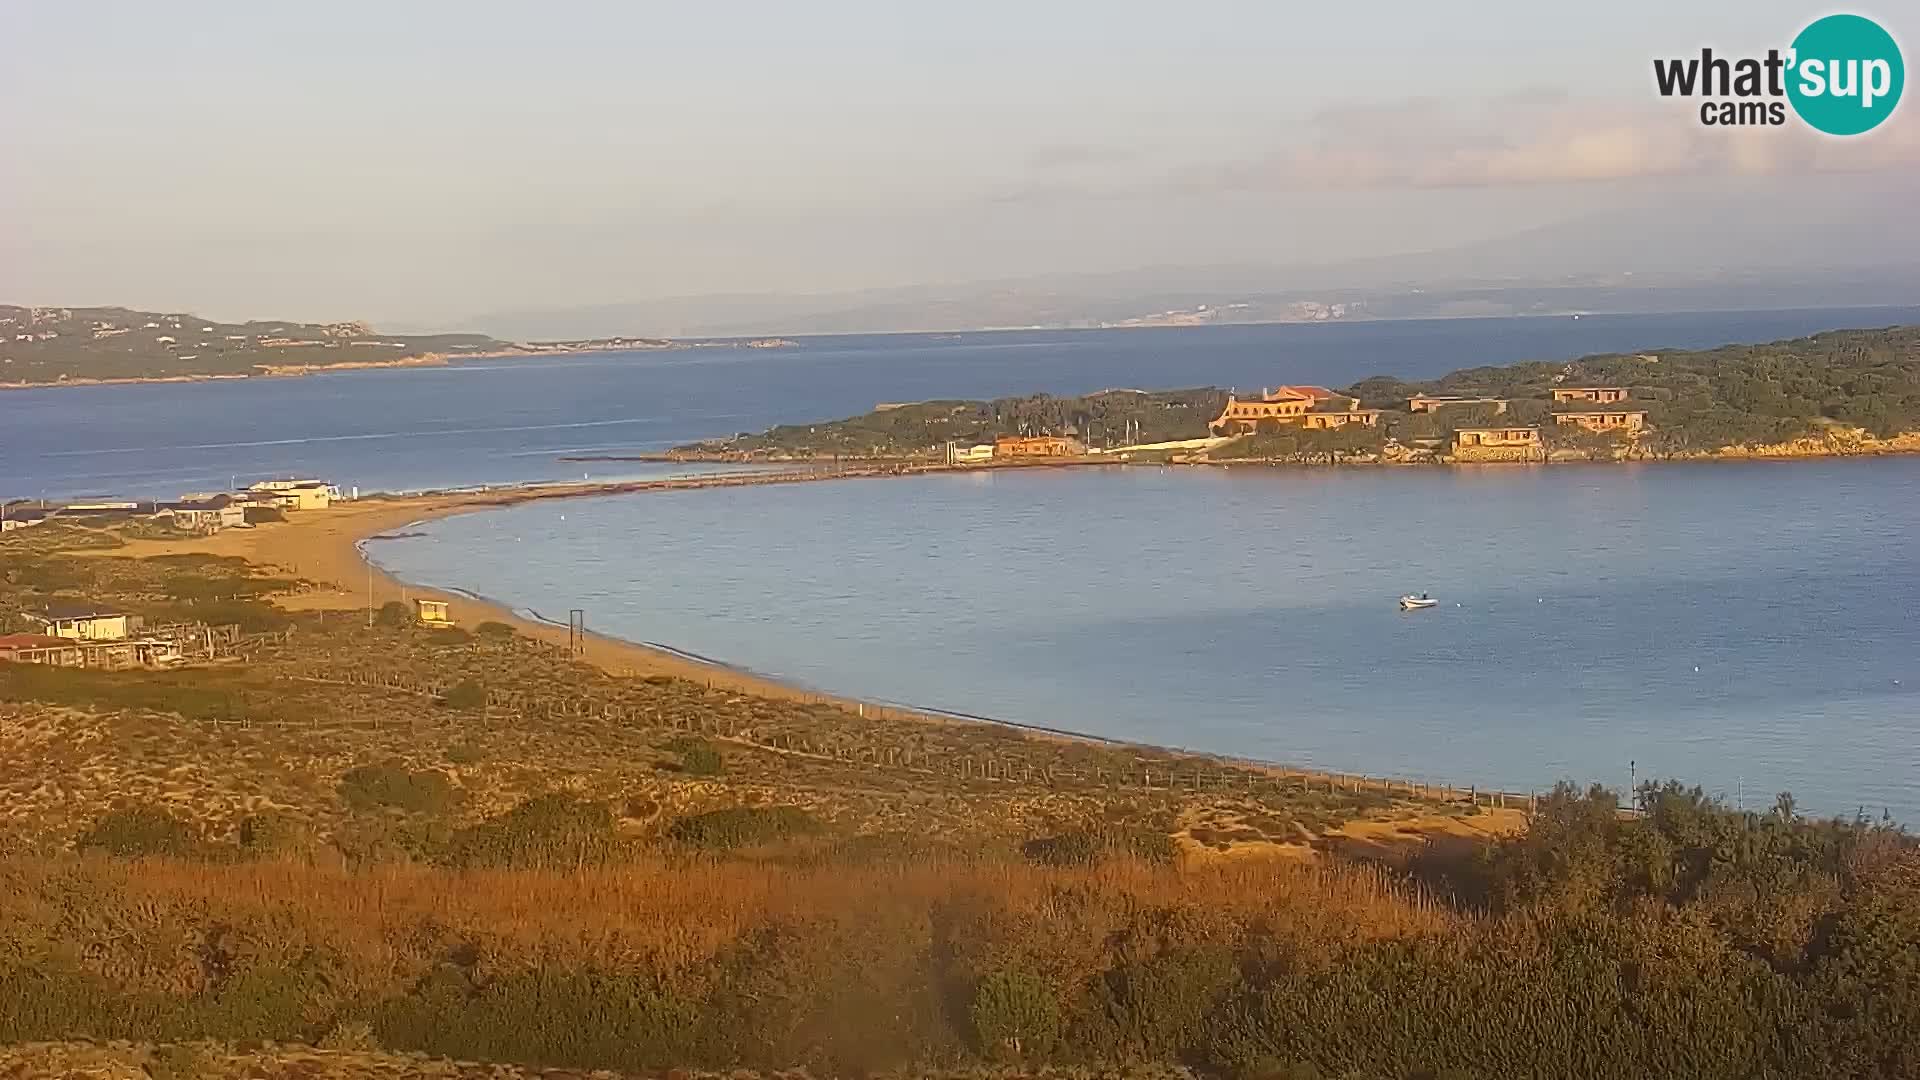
395, 613
273, 834
465, 695
1015, 1016
546, 830
194, 694
252, 616
568, 1018
742, 826
449, 635
1084, 847
391, 784
1077, 848
698, 757
497, 631
465, 754
135, 831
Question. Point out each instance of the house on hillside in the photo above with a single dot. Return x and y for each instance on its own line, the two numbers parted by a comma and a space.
1497, 437
1327, 421
80, 620
1513, 444
1628, 420
1285, 404
1427, 403
1599, 395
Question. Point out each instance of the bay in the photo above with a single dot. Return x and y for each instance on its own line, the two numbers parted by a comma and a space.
1746, 626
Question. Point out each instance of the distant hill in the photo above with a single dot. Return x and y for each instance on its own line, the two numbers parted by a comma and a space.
1203, 296
1730, 252
53, 345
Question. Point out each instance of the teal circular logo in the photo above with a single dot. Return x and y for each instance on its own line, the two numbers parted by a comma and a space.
1846, 74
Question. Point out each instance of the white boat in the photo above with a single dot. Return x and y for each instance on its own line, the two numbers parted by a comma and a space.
1415, 603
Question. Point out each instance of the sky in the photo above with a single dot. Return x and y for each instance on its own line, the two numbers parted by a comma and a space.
424, 162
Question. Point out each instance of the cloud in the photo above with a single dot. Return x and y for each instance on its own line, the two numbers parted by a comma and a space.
1541, 140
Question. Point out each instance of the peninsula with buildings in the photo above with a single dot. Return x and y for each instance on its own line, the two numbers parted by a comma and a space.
80, 346
1843, 392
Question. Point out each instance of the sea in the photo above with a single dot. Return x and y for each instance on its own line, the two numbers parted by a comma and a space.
1750, 627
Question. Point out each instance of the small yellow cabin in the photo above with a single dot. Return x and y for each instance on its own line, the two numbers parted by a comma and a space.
432, 612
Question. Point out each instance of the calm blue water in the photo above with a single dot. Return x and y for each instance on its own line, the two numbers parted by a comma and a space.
507, 420
1750, 627
1246, 612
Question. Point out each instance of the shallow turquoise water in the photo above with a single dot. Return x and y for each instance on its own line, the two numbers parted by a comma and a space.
1750, 627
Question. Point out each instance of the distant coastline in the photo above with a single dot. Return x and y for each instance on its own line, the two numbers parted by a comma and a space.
431, 359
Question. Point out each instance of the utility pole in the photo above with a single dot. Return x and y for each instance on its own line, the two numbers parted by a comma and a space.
369, 596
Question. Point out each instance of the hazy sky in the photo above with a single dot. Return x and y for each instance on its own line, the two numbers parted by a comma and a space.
422, 161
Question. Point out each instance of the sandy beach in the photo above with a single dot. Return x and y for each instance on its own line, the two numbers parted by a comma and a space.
323, 547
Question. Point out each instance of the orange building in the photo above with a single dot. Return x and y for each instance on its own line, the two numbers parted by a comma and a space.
1284, 404
1434, 403
1327, 421
1523, 437
1036, 446
1600, 420
1599, 395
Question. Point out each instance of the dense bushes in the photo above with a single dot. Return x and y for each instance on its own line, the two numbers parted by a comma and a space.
1085, 847
1015, 1015
391, 784
742, 826
195, 695
465, 695
549, 830
698, 757
1689, 942
137, 831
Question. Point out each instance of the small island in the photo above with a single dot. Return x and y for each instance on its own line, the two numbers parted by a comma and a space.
1837, 393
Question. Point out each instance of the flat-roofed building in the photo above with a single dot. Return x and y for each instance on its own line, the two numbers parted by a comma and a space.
79, 620
1427, 403
1599, 395
1628, 420
1037, 446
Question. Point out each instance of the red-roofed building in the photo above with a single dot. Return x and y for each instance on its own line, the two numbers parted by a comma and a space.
1283, 404
39, 649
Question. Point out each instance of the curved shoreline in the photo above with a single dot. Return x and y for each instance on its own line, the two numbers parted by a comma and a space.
324, 549
327, 548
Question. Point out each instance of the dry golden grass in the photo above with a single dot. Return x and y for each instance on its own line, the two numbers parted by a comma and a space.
274, 735
144, 921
